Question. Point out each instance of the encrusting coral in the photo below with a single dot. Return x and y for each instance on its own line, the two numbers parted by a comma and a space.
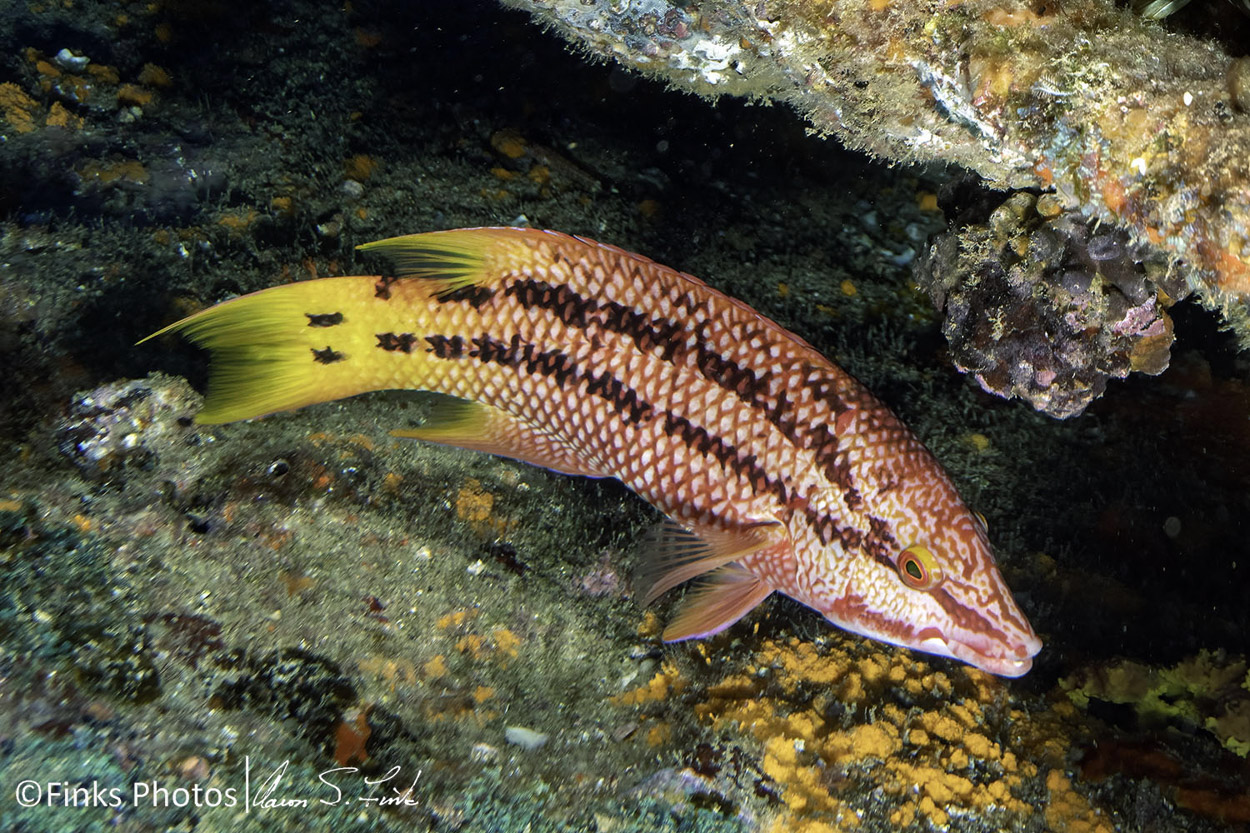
1125, 122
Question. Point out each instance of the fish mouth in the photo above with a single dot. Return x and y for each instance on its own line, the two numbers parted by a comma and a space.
1001, 666
987, 655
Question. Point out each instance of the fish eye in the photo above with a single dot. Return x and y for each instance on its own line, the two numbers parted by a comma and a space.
918, 568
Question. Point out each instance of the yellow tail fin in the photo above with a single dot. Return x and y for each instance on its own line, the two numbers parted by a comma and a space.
284, 348
314, 341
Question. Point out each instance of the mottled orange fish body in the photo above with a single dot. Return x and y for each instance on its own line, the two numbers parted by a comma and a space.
781, 472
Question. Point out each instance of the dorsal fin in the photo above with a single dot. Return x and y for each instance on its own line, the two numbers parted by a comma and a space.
459, 258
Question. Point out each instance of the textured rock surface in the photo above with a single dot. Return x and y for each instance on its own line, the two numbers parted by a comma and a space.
1123, 120
303, 591
1044, 307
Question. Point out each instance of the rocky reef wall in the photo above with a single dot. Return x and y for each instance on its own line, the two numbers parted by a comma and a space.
1124, 121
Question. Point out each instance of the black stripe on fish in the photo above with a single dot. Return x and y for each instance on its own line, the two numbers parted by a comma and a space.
523, 355
700, 439
475, 295
445, 347
327, 356
671, 337
391, 342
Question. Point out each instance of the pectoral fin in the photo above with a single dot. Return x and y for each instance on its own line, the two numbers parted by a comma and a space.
727, 595
675, 554
480, 427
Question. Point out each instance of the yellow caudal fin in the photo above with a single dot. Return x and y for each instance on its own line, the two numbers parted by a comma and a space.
314, 341
284, 348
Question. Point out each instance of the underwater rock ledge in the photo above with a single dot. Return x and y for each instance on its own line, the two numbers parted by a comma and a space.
1126, 122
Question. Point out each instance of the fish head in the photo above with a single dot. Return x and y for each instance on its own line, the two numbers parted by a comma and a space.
928, 580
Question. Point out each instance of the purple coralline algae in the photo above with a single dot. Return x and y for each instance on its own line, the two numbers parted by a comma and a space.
1048, 308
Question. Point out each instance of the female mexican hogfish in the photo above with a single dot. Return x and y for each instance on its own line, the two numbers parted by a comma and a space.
779, 471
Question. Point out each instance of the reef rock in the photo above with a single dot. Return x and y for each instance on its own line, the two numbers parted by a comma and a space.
1043, 306
1124, 122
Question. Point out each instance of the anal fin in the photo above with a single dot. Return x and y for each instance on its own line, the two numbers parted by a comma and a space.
481, 427
728, 594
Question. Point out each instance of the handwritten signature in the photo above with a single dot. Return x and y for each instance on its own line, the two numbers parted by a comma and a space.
385, 790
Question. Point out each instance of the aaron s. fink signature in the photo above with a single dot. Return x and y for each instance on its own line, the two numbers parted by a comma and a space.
334, 788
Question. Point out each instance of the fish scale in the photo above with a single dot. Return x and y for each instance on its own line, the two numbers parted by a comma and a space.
780, 472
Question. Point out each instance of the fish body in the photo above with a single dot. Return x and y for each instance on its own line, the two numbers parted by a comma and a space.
779, 471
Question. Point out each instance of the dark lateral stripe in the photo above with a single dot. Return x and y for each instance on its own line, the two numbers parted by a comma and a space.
569, 306
327, 356
575, 310
445, 347
523, 355
647, 333
670, 339
697, 438
852, 539
328, 319
823, 444
825, 526
392, 342
881, 543
474, 294
731, 376
518, 353
622, 397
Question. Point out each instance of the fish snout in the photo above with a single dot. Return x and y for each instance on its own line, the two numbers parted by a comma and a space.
1006, 659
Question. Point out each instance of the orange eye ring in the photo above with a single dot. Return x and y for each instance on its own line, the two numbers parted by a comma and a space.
918, 568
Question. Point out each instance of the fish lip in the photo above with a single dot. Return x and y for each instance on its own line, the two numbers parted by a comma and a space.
1003, 666
995, 658
986, 654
